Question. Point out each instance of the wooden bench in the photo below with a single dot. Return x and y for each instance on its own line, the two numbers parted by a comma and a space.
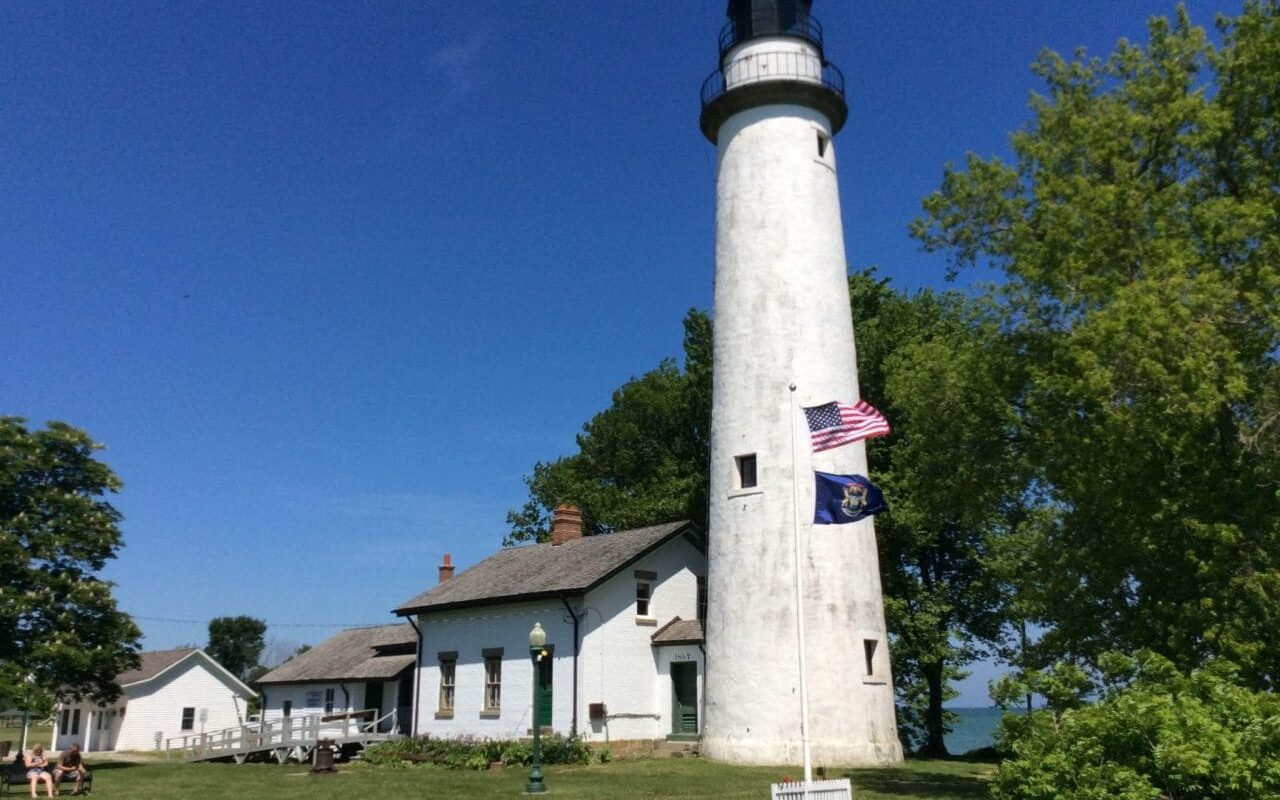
13, 777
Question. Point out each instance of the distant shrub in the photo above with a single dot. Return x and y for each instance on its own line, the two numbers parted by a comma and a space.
1151, 732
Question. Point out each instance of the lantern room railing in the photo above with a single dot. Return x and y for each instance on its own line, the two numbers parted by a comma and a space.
771, 66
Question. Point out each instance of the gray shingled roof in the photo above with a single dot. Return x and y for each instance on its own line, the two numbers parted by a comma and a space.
543, 570
358, 654
679, 631
152, 664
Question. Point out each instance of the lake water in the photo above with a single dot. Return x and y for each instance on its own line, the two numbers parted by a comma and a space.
976, 727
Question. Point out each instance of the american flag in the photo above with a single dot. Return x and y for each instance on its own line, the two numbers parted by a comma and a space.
834, 424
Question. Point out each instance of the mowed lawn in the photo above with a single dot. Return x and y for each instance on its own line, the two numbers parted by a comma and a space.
35, 733
638, 778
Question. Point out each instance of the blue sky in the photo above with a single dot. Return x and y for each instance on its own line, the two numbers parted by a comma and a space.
329, 278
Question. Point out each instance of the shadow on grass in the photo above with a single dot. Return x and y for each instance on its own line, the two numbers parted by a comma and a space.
105, 766
920, 781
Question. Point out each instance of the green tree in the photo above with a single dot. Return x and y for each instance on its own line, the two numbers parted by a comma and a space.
1138, 233
641, 461
940, 368
236, 643
63, 635
1144, 731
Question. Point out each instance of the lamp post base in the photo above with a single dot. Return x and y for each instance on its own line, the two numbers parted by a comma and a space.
535, 784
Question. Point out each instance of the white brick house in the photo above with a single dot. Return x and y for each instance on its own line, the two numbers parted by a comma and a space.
624, 637
173, 692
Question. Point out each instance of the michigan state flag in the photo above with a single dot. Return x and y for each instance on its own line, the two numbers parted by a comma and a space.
845, 498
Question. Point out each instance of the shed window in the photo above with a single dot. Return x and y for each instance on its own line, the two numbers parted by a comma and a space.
188, 718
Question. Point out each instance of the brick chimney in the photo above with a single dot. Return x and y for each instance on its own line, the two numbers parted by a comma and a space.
446, 569
566, 524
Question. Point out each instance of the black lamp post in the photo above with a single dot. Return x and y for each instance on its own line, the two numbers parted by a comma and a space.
537, 638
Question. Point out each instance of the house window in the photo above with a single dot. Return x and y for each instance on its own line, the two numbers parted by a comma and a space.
75, 721
328, 701
66, 720
746, 471
492, 682
645, 581
448, 673
702, 599
869, 650
287, 709
188, 718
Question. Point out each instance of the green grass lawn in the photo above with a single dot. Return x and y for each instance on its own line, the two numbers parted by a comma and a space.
638, 778
35, 733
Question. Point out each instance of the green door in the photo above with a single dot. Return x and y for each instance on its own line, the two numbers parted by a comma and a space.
543, 704
684, 700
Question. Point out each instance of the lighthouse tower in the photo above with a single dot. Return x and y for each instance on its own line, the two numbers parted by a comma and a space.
783, 340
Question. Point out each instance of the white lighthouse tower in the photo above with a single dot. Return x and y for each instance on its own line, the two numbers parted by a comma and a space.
782, 320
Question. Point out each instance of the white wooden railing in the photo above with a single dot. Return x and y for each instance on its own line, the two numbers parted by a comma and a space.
281, 733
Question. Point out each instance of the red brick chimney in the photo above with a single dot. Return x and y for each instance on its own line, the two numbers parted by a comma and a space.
446, 569
566, 524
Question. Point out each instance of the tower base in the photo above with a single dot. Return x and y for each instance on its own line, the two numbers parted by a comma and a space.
789, 752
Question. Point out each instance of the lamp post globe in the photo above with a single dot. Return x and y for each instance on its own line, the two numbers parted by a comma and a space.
537, 640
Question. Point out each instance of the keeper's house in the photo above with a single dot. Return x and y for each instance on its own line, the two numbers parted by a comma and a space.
356, 670
622, 614
171, 693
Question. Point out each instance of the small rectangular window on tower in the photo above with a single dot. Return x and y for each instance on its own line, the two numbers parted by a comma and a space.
824, 141
746, 471
869, 649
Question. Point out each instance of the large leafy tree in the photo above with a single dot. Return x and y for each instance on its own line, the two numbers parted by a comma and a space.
62, 635
641, 461
1138, 233
236, 643
940, 368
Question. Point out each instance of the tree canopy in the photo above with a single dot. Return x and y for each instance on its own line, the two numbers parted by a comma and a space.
940, 369
63, 635
1138, 236
236, 643
641, 461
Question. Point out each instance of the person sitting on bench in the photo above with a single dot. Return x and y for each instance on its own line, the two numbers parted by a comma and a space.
38, 770
71, 762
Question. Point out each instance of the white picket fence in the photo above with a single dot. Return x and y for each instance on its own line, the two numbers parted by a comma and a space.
839, 789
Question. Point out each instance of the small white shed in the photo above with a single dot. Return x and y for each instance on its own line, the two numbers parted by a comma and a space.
171, 693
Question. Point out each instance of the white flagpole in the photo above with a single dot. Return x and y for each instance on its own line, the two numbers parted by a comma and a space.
795, 530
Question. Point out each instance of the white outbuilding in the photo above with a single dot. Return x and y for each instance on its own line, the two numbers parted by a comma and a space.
171, 693
359, 669
623, 658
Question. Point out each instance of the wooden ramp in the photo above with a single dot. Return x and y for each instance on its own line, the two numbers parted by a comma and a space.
285, 738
